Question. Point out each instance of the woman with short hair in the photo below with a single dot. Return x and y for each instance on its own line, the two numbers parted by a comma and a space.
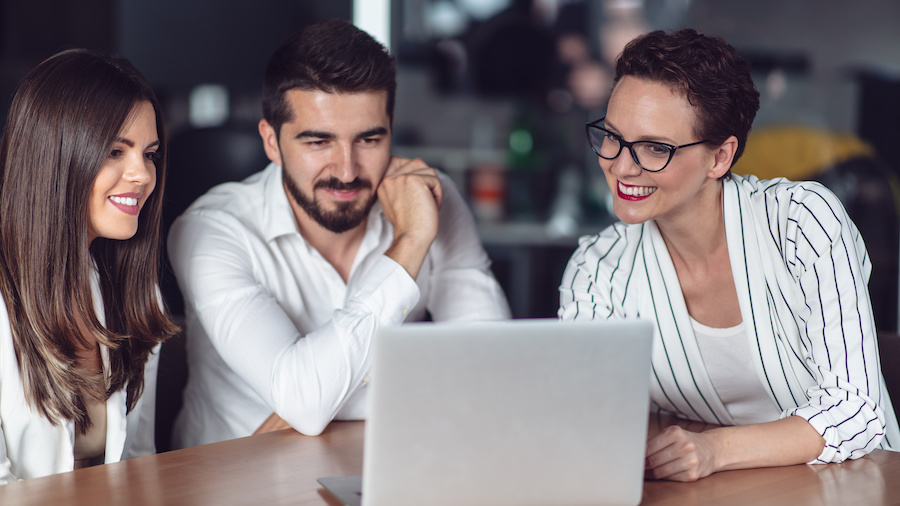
757, 288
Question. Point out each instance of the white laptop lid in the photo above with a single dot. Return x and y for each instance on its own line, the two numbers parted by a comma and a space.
516, 412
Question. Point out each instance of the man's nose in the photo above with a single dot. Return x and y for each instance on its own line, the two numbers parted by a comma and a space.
346, 164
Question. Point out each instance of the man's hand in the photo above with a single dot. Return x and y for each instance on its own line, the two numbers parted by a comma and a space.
273, 423
410, 194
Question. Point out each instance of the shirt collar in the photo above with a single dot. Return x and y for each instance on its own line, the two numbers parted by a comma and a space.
278, 216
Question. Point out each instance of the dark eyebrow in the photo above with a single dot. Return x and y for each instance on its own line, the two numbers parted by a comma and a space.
130, 143
613, 129
372, 132
658, 140
316, 134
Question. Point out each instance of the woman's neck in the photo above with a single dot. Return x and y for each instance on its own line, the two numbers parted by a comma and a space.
699, 253
697, 234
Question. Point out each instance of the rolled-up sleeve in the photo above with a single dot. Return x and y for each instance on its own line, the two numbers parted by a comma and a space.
828, 257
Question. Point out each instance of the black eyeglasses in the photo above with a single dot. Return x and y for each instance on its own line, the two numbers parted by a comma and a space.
648, 155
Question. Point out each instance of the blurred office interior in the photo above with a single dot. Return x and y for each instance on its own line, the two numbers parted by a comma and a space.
497, 92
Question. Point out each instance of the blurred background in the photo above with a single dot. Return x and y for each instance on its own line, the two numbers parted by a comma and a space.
497, 92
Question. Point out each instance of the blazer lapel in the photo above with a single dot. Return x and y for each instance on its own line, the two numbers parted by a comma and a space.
758, 270
676, 357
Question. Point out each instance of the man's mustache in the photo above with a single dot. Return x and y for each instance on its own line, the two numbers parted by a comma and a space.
336, 184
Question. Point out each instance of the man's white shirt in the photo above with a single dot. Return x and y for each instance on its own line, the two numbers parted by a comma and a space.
271, 325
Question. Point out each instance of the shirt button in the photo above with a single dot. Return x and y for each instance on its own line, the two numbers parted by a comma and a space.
405, 311
365, 380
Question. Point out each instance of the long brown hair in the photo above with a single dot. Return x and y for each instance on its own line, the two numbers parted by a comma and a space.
62, 123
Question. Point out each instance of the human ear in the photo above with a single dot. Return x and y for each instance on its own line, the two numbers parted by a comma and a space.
722, 157
270, 141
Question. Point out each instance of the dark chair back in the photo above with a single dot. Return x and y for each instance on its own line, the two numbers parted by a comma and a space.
198, 160
889, 351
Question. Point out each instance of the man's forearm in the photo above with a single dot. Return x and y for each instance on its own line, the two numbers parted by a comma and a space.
410, 253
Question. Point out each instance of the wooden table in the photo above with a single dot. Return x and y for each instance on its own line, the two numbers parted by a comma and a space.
282, 467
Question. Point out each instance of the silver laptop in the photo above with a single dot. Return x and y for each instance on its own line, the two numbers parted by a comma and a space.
518, 412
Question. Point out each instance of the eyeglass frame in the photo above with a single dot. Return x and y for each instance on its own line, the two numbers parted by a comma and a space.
626, 144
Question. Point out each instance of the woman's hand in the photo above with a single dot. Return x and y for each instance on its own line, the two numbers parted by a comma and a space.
680, 455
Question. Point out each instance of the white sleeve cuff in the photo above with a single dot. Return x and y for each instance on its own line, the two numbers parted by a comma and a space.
388, 291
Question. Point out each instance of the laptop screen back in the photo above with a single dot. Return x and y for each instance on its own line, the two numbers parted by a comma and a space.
517, 412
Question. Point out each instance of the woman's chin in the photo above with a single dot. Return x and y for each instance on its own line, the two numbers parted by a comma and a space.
628, 216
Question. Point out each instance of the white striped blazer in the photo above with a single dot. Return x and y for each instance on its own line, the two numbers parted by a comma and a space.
800, 268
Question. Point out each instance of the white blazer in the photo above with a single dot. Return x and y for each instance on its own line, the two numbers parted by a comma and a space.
30, 446
800, 270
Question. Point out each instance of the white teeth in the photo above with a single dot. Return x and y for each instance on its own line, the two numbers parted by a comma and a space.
125, 201
636, 191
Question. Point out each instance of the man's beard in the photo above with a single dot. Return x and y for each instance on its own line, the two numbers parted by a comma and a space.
347, 216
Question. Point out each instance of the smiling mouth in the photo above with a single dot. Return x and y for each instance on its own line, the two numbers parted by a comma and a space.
128, 205
343, 195
635, 191
125, 201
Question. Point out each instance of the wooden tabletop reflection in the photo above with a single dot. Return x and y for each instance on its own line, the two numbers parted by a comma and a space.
282, 468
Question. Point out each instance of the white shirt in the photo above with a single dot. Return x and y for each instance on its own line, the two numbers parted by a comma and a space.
272, 327
30, 446
729, 363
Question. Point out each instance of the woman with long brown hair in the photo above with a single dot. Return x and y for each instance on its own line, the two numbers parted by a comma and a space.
82, 166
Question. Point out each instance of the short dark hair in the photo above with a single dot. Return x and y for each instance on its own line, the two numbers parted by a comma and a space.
709, 73
331, 56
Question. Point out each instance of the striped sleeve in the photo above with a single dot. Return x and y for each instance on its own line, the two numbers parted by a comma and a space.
827, 257
598, 275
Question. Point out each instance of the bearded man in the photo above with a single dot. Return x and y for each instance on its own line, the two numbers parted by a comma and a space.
288, 275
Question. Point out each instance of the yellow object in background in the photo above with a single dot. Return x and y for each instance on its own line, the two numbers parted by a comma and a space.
797, 152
